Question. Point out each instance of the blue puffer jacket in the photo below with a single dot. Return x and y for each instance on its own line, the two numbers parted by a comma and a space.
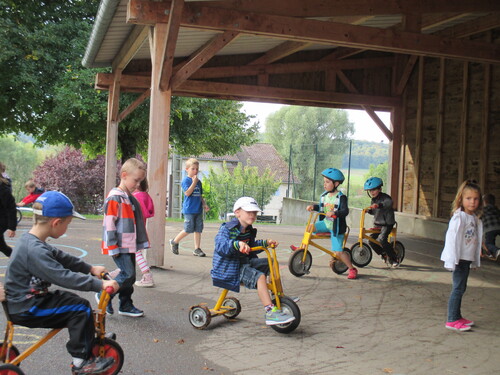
226, 261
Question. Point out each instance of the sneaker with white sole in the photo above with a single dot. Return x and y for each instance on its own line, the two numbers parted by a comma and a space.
114, 273
457, 325
95, 365
198, 252
275, 317
133, 311
174, 247
467, 322
146, 281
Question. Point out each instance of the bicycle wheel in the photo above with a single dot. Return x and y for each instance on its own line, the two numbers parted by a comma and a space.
291, 308
399, 249
361, 256
295, 264
19, 216
13, 353
8, 369
235, 306
338, 266
111, 349
199, 317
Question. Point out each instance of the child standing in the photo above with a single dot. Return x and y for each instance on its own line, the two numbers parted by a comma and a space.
148, 210
462, 249
192, 208
35, 265
383, 212
124, 233
334, 205
491, 224
33, 193
235, 264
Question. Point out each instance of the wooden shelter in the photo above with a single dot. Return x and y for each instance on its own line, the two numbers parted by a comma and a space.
434, 64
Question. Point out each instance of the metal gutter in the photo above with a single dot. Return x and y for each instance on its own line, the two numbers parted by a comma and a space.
105, 13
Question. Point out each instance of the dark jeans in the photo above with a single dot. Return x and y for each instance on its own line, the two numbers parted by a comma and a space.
126, 279
382, 237
489, 240
4, 248
59, 310
459, 277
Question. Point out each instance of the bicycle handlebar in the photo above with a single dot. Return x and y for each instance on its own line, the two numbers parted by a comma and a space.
109, 290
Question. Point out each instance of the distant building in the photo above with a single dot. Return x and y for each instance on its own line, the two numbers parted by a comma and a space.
260, 155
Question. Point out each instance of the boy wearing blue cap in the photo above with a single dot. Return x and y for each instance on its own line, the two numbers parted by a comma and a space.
35, 265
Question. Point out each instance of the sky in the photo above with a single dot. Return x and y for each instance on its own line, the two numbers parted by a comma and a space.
365, 128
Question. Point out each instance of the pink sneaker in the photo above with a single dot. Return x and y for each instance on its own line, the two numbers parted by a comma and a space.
353, 274
457, 325
466, 322
114, 273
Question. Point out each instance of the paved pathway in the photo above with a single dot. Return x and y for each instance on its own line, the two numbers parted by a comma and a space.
389, 321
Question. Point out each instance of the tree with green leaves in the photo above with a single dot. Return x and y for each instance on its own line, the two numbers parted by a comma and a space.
46, 93
310, 139
223, 188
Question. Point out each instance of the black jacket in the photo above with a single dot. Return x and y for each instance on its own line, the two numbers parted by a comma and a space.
7, 208
384, 214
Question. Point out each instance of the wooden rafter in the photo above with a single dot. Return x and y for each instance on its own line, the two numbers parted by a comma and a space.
128, 50
286, 96
199, 58
405, 76
475, 26
320, 32
280, 51
174, 17
329, 8
137, 102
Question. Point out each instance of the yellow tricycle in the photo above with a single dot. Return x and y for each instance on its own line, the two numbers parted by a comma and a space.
104, 344
200, 315
361, 251
300, 260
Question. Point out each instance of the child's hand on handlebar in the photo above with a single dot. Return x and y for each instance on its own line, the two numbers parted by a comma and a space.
244, 248
309, 208
110, 283
374, 206
98, 271
272, 242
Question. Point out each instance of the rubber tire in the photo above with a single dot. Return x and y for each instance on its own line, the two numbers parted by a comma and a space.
232, 302
19, 216
112, 349
295, 264
290, 307
8, 369
199, 317
338, 266
361, 257
400, 251
13, 353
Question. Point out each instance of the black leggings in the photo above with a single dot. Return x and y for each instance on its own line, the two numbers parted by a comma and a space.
386, 246
4, 248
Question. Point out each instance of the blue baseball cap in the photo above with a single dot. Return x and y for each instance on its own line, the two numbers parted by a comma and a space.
56, 204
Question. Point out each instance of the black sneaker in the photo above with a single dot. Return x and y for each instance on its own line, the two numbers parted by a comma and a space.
198, 252
132, 311
109, 308
94, 365
175, 247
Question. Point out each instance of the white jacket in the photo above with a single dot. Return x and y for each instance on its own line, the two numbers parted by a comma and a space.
455, 238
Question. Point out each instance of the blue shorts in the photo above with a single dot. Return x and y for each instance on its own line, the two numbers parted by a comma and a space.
337, 241
193, 223
251, 270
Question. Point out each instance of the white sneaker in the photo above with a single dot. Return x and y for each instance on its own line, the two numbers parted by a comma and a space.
146, 281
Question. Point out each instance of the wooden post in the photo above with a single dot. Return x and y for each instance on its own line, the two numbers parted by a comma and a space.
462, 146
395, 157
439, 138
159, 126
112, 133
418, 135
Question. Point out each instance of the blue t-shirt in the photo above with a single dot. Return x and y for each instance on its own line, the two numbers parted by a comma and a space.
192, 204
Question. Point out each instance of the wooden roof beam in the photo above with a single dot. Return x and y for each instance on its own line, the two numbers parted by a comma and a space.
475, 26
199, 58
321, 32
128, 50
330, 8
277, 53
217, 89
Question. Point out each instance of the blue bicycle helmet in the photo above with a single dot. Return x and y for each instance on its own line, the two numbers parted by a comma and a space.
333, 174
373, 183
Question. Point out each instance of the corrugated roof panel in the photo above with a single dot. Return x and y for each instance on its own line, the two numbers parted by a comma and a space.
454, 22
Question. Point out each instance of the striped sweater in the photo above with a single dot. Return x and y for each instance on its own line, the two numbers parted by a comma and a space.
226, 261
120, 226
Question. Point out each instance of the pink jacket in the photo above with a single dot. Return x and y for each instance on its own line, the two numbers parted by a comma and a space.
147, 206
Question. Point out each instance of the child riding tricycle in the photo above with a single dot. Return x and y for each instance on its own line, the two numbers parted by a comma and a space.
381, 238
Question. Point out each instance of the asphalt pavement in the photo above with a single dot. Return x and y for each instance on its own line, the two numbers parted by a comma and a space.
389, 321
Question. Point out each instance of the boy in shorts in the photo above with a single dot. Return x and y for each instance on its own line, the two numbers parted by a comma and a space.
192, 208
35, 265
235, 264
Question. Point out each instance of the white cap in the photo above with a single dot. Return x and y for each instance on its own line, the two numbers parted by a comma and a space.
246, 203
